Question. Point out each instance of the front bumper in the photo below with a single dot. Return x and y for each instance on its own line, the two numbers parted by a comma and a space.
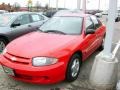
39, 75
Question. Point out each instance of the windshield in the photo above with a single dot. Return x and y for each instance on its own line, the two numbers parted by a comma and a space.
5, 19
67, 25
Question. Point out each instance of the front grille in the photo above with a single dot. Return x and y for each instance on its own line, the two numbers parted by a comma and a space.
19, 59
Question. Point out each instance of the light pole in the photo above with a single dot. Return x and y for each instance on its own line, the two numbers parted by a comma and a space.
84, 6
99, 5
104, 70
57, 5
64, 3
110, 27
78, 4
49, 3
29, 5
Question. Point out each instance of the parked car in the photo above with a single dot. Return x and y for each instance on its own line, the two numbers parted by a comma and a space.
3, 11
42, 13
117, 19
105, 12
93, 12
99, 15
117, 16
13, 25
50, 13
56, 51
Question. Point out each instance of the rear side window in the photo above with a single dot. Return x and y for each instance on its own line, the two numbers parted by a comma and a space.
41, 17
24, 19
35, 17
96, 22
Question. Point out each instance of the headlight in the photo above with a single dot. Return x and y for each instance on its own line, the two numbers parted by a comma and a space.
43, 61
4, 51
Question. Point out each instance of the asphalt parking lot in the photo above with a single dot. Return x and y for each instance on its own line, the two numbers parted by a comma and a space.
82, 83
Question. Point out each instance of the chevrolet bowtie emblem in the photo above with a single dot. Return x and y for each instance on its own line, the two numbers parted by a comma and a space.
13, 59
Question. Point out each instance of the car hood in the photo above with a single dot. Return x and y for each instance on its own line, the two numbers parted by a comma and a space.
39, 44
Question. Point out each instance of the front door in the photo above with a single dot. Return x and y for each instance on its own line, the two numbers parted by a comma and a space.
90, 40
23, 28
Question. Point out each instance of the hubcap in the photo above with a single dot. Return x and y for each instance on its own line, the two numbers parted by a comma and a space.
75, 67
2, 46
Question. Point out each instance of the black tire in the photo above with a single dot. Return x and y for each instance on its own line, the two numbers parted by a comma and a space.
69, 76
102, 45
117, 19
3, 43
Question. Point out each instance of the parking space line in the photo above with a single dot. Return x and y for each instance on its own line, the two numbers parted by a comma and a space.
116, 48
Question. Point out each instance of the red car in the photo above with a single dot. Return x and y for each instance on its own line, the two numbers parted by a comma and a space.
56, 51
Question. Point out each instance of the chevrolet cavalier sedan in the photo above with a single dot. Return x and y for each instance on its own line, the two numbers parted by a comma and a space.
55, 52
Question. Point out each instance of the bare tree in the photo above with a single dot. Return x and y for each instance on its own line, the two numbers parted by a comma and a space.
46, 6
3, 6
38, 5
16, 6
9, 7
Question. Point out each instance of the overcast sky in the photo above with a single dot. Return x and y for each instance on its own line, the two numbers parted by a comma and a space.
71, 4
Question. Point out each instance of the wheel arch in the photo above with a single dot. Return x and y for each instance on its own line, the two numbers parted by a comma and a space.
79, 53
67, 69
5, 38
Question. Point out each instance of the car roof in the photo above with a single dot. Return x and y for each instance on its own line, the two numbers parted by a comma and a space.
71, 13
19, 13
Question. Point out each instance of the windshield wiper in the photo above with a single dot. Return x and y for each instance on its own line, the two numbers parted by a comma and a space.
55, 31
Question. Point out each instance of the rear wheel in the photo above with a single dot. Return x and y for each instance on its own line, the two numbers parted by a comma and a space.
3, 43
73, 68
102, 45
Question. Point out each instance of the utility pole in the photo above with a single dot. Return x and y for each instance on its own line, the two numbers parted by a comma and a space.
78, 4
64, 3
84, 6
99, 5
110, 27
49, 4
57, 5
104, 70
29, 5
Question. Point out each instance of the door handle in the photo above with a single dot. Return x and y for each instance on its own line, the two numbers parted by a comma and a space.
29, 26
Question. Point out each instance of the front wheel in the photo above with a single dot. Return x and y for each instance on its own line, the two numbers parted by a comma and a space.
3, 43
73, 68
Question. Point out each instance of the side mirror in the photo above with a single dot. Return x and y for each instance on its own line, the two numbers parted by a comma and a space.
15, 24
90, 31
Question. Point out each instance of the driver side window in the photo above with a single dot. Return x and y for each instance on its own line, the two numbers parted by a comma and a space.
24, 19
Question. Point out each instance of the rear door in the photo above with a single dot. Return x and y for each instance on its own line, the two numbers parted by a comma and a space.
24, 28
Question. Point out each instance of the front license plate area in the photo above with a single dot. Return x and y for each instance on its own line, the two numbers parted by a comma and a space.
8, 71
